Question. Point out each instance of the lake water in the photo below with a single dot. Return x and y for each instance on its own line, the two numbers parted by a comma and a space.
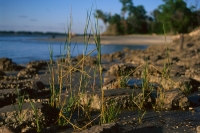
23, 49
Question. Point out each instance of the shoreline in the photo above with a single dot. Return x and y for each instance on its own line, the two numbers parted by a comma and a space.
118, 40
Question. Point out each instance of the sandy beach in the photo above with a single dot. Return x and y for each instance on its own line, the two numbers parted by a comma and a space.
128, 39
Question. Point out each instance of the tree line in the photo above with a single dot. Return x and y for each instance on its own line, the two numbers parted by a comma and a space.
174, 16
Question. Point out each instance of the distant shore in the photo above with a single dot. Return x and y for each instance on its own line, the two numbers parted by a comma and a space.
127, 39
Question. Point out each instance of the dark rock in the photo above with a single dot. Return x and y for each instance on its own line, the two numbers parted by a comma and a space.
7, 97
38, 85
194, 99
6, 64
195, 85
117, 55
190, 45
104, 128
2, 74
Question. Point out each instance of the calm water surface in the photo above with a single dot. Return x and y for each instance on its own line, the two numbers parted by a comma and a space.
23, 49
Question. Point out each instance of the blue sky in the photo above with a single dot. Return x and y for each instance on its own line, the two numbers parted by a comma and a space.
53, 15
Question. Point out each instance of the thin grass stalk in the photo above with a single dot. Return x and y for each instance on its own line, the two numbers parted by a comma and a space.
97, 40
37, 121
167, 64
69, 53
52, 81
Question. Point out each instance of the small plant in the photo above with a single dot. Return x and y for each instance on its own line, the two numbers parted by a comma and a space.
37, 117
159, 99
187, 89
139, 102
66, 111
112, 110
122, 79
20, 114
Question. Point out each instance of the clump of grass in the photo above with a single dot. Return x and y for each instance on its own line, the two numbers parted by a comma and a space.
20, 114
122, 79
112, 110
37, 117
187, 89
58, 98
141, 99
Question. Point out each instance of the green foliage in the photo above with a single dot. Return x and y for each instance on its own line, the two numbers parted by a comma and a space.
112, 110
104, 16
175, 14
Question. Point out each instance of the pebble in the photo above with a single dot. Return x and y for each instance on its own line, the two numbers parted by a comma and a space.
198, 129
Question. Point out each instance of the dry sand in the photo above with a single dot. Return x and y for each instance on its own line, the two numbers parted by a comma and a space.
128, 39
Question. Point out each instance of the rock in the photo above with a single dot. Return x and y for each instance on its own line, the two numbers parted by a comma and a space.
107, 57
118, 75
117, 55
37, 65
104, 128
38, 85
133, 60
4, 129
95, 98
126, 50
13, 118
121, 69
7, 97
6, 64
27, 73
194, 99
35, 89
177, 71
2, 74
123, 97
171, 83
170, 99
193, 73
89, 60
195, 85
110, 82
198, 129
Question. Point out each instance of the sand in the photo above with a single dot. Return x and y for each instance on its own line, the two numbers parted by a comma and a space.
128, 39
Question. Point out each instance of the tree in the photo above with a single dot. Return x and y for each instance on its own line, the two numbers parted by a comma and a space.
103, 16
137, 20
175, 15
127, 5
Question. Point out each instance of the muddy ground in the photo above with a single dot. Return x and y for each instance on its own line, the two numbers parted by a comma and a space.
184, 64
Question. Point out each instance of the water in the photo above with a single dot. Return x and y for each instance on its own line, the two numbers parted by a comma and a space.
23, 49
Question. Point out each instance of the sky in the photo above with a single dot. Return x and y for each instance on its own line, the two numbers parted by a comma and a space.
54, 15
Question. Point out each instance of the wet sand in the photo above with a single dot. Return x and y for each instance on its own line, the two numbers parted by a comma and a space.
128, 39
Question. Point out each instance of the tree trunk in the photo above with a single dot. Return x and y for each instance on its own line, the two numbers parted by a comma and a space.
181, 41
